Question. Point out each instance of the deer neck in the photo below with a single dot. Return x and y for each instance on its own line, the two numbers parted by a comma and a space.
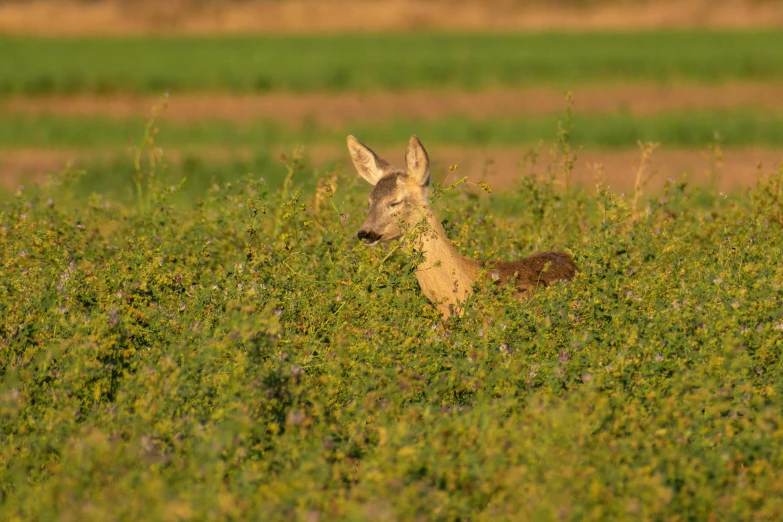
445, 276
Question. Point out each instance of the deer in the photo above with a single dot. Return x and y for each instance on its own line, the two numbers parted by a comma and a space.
399, 201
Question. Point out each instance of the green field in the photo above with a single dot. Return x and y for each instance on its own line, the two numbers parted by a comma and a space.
389, 62
737, 128
207, 339
246, 358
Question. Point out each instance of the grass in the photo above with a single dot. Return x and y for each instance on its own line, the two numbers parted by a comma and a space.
111, 177
389, 62
738, 127
243, 357
225, 349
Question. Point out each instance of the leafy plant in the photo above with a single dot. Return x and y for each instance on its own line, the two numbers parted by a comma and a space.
243, 357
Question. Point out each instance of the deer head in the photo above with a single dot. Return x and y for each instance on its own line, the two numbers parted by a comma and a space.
399, 197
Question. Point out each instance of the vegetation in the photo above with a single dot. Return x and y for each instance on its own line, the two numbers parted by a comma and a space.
390, 62
242, 356
740, 127
211, 342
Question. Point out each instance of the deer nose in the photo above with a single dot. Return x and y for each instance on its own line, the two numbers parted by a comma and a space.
368, 235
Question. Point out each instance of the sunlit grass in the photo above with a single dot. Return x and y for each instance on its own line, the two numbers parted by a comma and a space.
245, 357
386, 62
738, 127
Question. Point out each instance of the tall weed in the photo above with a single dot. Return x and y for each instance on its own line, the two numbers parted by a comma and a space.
244, 357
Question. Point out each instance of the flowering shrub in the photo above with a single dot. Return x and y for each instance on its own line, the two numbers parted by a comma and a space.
243, 357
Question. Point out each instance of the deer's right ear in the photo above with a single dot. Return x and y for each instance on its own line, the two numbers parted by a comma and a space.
369, 165
417, 162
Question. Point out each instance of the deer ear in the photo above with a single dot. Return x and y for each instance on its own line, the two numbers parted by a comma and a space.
368, 164
417, 162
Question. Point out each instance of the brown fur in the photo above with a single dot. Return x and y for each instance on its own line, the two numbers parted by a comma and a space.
538, 270
445, 276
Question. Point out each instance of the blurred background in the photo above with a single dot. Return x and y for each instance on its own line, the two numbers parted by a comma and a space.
482, 82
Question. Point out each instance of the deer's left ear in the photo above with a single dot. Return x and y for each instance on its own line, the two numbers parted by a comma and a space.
369, 165
417, 162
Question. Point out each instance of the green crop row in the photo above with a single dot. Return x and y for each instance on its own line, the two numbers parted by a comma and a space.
243, 357
739, 127
389, 62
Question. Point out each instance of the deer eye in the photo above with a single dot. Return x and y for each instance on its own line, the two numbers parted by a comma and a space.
395, 203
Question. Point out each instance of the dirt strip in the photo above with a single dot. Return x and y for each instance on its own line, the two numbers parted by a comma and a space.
337, 110
42, 17
501, 167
